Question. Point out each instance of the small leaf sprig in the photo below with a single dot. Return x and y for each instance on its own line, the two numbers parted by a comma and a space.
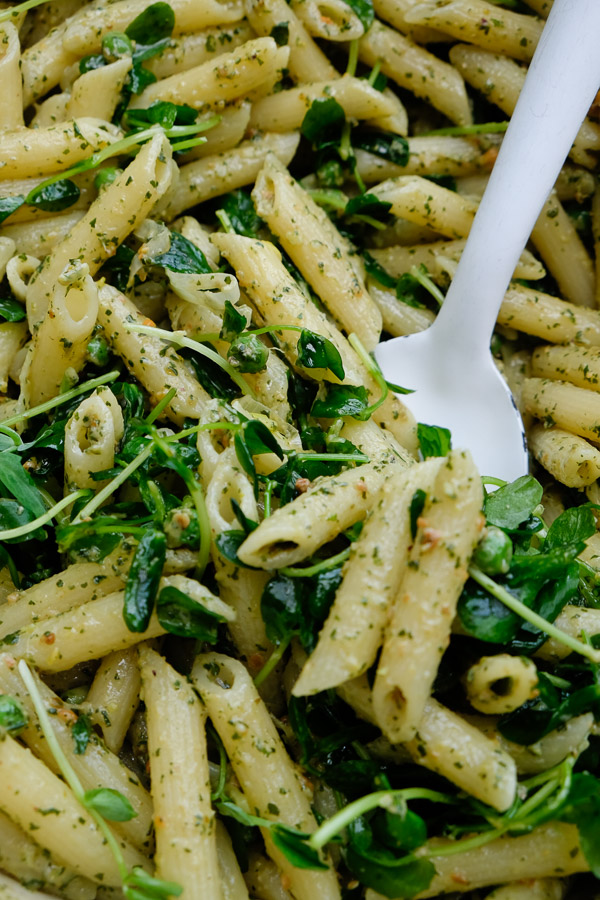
103, 804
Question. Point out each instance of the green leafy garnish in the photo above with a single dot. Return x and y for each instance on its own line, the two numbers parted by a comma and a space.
433, 440
180, 614
13, 717
144, 576
318, 352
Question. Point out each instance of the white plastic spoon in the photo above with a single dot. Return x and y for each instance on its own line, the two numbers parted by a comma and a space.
449, 365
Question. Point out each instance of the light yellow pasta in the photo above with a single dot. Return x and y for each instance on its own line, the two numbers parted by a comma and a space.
91, 437
78, 583
504, 31
418, 630
557, 403
265, 772
59, 343
577, 621
285, 111
395, 12
548, 317
158, 368
556, 240
95, 768
186, 846
40, 236
214, 175
227, 134
332, 20
70, 834
535, 889
113, 696
317, 248
421, 201
11, 98
500, 683
398, 318
353, 632
570, 459
95, 237
211, 84
416, 70
13, 336
21, 857
330, 505
307, 61
34, 152
193, 49
99, 89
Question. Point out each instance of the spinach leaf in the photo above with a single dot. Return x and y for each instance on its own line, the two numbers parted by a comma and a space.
162, 113
317, 352
234, 322
248, 525
155, 24
17, 480
13, 717
582, 808
376, 271
228, 544
281, 33
181, 615
572, 527
433, 440
91, 62
111, 804
241, 212
368, 206
8, 205
382, 869
342, 400
54, 197
416, 508
295, 848
364, 10
253, 439
392, 147
512, 504
281, 607
323, 123
81, 733
484, 617
182, 256
548, 711
212, 377
11, 310
116, 269
143, 579
12, 515
409, 290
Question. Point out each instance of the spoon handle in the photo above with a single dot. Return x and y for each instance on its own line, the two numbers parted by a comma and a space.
560, 86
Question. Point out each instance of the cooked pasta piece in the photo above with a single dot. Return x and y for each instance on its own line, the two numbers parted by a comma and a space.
501, 683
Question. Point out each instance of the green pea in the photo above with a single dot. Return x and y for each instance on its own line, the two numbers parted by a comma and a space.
248, 354
116, 45
494, 552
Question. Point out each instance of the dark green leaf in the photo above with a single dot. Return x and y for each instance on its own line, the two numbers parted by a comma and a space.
416, 508
12, 310
90, 62
342, 400
582, 808
211, 376
400, 831
12, 715
149, 887
180, 614
81, 733
393, 878
8, 205
139, 76
116, 45
233, 322
392, 147
368, 205
282, 607
364, 10
111, 804
247, 353
182, 256
54, 197
281, 33
259, 439
571, 527
317, 352
433, 440
239, 207
228, 544
376, 271
18, 481
116, 269
162, 113
143, 579
295, 848
484, 617
409, 290
154, 24
323, 123
514, 503
86, 545
248, 525
12, 515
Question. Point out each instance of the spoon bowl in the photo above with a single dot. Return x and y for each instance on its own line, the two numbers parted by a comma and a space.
449, 366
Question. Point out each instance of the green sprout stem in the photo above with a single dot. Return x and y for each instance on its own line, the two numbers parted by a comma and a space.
272, 661
420, 274
458, 130
373, 370
500, 593
14, 11
112, 486
309, 571
22, 530
62, 398
161, 406
181, 340
352, 58
375, 72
